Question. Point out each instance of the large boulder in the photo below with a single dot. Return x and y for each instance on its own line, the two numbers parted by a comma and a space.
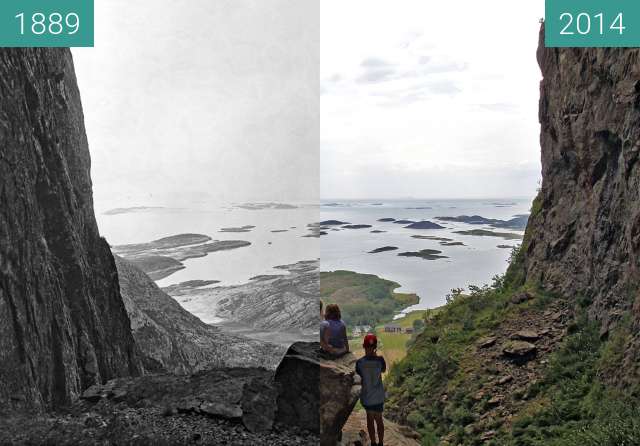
318, 393
298, 376
246, 395
339, 392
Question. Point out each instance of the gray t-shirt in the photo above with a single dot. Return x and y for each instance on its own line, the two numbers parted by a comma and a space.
370, 369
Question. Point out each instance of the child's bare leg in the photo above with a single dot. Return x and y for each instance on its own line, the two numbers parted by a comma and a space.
380, 425
371, 427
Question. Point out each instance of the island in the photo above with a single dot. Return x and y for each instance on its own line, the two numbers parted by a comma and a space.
425, 224
383, 249
518, 222
426, 254
261, 206
432, 237
246, 228
333, 223
161, 258
364, 299
487, 233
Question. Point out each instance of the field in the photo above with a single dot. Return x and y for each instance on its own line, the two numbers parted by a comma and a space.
392, 346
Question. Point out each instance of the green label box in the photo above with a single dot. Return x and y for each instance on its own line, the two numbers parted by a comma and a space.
592, 23
46, 23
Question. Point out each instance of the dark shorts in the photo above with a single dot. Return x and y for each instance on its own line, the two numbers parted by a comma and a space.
374, 408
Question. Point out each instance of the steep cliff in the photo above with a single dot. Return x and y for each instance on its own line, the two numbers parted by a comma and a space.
583, 237
548, 354
171, 339
63, 325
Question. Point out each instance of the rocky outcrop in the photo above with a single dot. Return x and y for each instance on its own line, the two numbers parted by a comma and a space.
63, 325
299, 378
583, 237
318, 393
242, 394
285, 303
171, 339
339, 393
227, 406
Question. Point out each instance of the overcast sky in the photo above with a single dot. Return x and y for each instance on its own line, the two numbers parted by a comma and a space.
429, 99
189, 100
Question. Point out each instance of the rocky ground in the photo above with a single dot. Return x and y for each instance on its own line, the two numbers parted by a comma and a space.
171, 339
285, 303
217, 407
120, 425
355, 433
515, 356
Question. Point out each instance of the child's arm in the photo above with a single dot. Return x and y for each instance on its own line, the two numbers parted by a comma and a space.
384, 364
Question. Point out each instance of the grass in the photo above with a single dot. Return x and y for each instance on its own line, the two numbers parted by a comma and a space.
580, 407
393, 346
575, 404
441, 362
364, 299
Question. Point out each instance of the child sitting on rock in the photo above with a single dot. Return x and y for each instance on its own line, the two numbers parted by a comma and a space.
370, 368
333, 332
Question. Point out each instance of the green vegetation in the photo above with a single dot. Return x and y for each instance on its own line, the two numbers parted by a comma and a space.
393, 346
439, 360
364, 299
573, 404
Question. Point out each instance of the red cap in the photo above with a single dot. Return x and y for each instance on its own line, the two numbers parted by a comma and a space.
370, 340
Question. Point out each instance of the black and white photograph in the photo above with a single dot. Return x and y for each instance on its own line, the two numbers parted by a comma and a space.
159, 244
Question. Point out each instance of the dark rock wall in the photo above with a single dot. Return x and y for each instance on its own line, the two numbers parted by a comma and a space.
63, 325
583, 238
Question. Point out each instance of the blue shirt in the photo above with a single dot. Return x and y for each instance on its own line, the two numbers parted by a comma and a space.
337, 332
370, 369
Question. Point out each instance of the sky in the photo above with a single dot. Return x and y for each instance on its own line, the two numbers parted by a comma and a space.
429, 99
202, 101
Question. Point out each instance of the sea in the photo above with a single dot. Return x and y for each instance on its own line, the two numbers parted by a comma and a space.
475, 263
233, 267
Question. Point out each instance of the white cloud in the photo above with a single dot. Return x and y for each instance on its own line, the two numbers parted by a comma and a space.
421, 100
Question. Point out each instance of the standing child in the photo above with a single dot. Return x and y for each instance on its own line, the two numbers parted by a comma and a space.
370, 368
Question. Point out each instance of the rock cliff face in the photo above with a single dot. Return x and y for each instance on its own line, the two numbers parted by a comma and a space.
63, 325
583, 238
171, 339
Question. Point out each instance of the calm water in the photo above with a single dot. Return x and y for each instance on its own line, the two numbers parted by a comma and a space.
232, 267
475, 263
